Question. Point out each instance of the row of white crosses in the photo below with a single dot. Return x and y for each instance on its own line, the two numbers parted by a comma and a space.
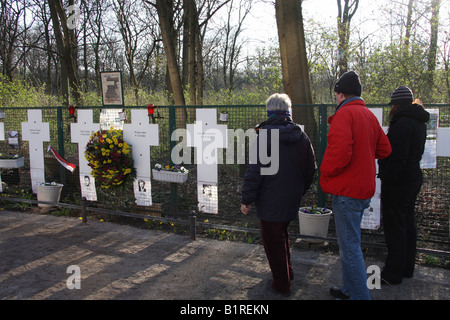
141, 135
205, 133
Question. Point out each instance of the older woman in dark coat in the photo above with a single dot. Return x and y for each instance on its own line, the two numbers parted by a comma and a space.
278, 194
401, 180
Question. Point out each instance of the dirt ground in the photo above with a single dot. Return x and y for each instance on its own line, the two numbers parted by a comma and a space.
119, 262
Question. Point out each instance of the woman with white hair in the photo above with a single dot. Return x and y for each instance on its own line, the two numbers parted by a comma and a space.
277, 196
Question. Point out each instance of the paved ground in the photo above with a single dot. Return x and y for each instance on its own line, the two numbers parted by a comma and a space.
122, 262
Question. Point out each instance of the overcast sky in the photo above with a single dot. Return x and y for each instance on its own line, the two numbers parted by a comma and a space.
261, 25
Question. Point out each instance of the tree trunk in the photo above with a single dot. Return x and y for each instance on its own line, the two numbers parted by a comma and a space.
435, 5
294, 61
409, 24
345, 16
67, 48
192, 23
165, 14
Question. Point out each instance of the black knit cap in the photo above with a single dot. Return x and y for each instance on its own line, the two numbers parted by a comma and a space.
402, 95
349, 83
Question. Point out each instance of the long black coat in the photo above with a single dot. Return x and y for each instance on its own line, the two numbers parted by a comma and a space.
278, 196
407, 134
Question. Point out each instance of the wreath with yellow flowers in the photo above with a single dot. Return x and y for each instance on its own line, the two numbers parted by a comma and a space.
110, 158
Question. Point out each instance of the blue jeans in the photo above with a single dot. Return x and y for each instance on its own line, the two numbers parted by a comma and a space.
348, 214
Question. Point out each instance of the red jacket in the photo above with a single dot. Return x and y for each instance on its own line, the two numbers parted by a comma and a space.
355, 140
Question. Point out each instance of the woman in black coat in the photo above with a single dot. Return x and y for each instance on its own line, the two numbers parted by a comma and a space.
401, 179
277, 188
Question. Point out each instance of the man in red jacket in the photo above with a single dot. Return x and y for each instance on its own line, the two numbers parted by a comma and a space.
348, 172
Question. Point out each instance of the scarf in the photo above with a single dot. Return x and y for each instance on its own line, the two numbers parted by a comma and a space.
274, 112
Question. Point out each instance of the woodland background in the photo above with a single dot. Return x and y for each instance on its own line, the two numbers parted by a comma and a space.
196, 52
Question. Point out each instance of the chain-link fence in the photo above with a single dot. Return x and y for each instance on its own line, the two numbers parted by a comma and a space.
433, 205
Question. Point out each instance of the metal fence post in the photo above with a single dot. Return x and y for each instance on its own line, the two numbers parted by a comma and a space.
173, 186
61, 150
192, 220
84, 209
322, 145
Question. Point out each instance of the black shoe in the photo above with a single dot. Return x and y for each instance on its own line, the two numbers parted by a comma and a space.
338, 294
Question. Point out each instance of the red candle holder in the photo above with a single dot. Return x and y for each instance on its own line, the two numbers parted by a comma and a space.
151, 110
71, 111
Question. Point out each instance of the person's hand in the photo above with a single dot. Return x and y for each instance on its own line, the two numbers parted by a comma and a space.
245, 209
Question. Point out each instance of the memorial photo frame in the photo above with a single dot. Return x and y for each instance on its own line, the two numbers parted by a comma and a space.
112, 88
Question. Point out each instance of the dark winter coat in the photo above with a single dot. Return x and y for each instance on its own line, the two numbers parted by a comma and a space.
407, 134
278, 196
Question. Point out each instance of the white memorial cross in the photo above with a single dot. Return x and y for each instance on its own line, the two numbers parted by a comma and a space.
36, 132
2, 131
81, 133
443, 142
372, 216
207, 137
141, 135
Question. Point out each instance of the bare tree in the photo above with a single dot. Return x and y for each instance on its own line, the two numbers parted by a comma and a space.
135, 36
232, 45
346, 11
13, 36
409, 23
165, 9
195, 25
435, 5
67, 48
294, 60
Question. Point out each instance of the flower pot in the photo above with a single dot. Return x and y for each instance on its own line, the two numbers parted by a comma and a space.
48, 193
11, 163
315, 225
170, 176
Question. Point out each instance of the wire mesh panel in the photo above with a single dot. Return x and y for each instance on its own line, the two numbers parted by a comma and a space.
224, 197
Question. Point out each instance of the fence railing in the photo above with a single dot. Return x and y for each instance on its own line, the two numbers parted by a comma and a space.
433, 205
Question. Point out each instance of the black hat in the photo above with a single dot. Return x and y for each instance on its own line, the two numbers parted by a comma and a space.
349, 83
402, 95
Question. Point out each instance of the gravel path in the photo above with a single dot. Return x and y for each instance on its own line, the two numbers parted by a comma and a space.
122, 262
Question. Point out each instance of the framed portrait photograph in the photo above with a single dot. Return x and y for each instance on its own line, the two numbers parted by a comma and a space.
112, 89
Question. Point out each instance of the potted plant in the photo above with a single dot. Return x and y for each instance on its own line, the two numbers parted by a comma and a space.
10, 161
175, 174
314, 221
48, 192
